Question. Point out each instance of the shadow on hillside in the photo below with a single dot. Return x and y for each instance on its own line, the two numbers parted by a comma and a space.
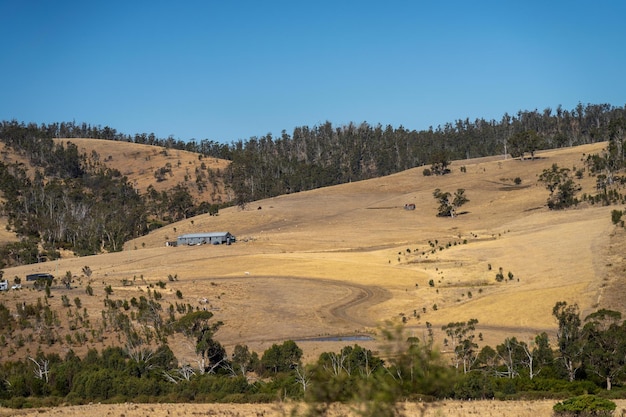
508, 187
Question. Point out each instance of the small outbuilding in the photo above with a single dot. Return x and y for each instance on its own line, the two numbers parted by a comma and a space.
216, 238
36, 277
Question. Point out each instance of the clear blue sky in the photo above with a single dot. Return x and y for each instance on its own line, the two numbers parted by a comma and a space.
227, 70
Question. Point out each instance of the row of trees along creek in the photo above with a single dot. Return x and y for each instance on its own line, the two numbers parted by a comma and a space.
589, 356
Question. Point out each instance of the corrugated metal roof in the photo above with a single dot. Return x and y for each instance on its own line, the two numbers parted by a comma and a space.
200, 235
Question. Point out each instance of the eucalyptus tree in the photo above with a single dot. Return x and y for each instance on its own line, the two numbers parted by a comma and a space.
605, 345
197, 327
524, 142
460, 337
448, 204
569, 337
561, 185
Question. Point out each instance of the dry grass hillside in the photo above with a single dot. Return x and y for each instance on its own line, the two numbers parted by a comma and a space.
343, 260
139, 162
201, 175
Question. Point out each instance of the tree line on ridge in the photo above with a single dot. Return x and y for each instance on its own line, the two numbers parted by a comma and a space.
68, 190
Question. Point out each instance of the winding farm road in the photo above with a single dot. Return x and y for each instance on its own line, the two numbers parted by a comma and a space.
277, 308
353, 309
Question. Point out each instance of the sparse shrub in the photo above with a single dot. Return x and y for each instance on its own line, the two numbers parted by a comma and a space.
517, 181
108, 290
431, 283
179, 294
87, 271
65, 300
427, 172
500, 275
616, 216
89, 290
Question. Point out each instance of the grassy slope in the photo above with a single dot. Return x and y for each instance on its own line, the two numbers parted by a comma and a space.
139, 162
335, 260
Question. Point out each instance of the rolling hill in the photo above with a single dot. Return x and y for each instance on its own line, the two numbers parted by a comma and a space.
139, 162
341, 261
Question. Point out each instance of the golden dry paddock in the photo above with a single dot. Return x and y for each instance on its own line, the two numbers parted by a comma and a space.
540, 408
343, 260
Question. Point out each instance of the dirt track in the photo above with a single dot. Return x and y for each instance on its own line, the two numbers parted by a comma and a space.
354, 309
346, 312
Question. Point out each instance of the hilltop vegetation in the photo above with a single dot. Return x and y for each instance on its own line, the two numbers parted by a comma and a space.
55, 193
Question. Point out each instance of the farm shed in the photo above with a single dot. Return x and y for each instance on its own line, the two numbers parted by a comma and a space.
216, 238
35, 277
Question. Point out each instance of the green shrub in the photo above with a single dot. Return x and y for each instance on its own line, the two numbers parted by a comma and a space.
584, 405
474, 385
616, 216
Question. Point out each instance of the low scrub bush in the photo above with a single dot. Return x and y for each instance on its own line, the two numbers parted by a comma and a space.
585, 405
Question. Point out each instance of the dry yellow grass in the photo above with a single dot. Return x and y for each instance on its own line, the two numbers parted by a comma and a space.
541, 408
139, 162
345, 259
